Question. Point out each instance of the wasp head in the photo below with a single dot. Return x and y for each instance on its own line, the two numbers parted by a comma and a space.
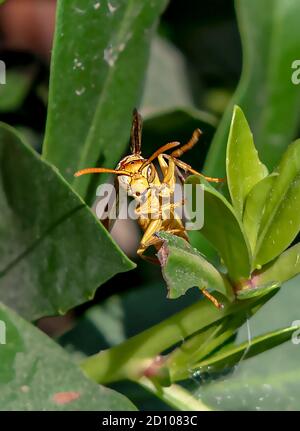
139, 179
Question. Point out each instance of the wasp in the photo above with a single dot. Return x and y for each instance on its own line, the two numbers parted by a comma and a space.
150, 188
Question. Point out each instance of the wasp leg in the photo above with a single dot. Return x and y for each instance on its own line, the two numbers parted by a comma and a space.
212, 298
151, 208
148, 209
188, 168
169, 174
148, 240
189, 145
162, 164
154, 212
175, 231
180, 176
167, 211
168, 171
181, 233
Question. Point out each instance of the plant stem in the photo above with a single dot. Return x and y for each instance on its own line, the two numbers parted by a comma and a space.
131, 358
175, 396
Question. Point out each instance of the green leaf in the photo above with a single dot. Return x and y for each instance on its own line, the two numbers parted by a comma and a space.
181, 360
256, 290
54, 253
285, 267
36, 374
94, 86
281, 218
199, 242
167, 83
269, 99
201, 345
11, 344
243, 166
183, 267
254, 206
225, 232
231, 354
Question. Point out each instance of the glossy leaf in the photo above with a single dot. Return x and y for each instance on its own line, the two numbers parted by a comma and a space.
54, 253
225, 232
257, 290
266, 93
230, 355
184, 267
25, 359
182, 361
94, 86
255, 204
243, 166
281, 219
285, 267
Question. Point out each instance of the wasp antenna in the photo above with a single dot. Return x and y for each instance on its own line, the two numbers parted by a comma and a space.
161, 150
189, 145
101, 171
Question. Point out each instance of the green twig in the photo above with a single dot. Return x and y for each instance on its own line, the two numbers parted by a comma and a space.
130, 359
175, 396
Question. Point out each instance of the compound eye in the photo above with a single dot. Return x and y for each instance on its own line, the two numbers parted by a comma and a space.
150, 173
